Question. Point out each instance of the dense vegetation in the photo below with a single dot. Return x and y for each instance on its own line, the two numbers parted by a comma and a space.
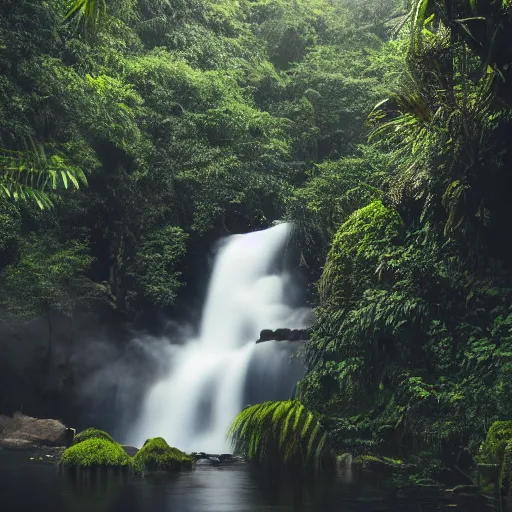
134, 133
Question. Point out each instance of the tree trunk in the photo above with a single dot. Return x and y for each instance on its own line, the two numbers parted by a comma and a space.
117, 256
49, 350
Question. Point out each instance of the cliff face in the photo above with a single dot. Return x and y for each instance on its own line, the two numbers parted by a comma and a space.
93, 379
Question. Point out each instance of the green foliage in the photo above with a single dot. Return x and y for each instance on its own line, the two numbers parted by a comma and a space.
92, 433
372, 463
48, 276
386, 348
154, 268
506, 471
90, 12
361, 243
193, 119
285, 432
95, 453
498, 437
31, 174
333, 191
289, 27
157, 455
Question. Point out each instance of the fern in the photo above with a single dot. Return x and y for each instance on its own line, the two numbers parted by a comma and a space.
283, 431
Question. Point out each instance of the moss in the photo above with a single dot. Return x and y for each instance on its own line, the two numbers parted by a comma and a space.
94, 453
157, 455
93, 433
506, 471
358, 246
493, 449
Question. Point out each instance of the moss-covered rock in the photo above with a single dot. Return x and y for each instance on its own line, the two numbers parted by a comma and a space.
157, 455
495, 458
493, 448
93, 433
506, 471
96, 453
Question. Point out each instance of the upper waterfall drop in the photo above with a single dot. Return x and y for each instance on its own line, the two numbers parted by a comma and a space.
193, 406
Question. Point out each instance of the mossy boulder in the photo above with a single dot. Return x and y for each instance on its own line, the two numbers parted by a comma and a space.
495, 459
157, 455
93, 433
96, 452
506, 471
493, 449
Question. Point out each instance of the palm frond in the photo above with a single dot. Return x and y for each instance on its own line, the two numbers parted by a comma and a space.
32, 175
88, 12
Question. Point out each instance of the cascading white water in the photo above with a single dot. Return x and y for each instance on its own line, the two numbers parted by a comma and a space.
194, 405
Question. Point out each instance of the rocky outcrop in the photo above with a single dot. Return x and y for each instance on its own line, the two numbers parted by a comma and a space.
284, 335
24, 432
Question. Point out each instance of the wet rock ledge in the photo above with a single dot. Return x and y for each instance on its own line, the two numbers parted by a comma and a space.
284, 335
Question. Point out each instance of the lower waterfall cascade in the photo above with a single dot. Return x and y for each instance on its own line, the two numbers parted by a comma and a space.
205, 388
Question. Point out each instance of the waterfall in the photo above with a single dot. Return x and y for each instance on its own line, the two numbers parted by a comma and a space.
193, 406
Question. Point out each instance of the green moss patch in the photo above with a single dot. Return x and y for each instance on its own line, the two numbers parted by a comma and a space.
493, 449
157, 455
93, 433
94, 453
506, 471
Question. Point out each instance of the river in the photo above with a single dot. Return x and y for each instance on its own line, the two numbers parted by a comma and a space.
29, 486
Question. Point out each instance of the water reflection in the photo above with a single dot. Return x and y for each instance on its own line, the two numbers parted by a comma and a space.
29, 486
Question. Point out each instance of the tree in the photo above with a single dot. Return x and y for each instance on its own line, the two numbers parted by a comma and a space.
45, 280
154, 269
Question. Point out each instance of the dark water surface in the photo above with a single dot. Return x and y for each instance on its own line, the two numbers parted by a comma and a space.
35, 486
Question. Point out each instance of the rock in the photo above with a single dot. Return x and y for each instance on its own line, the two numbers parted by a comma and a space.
69, 436
96, 452
266, 335
23, 432
157, 455
130, 450
284, 335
